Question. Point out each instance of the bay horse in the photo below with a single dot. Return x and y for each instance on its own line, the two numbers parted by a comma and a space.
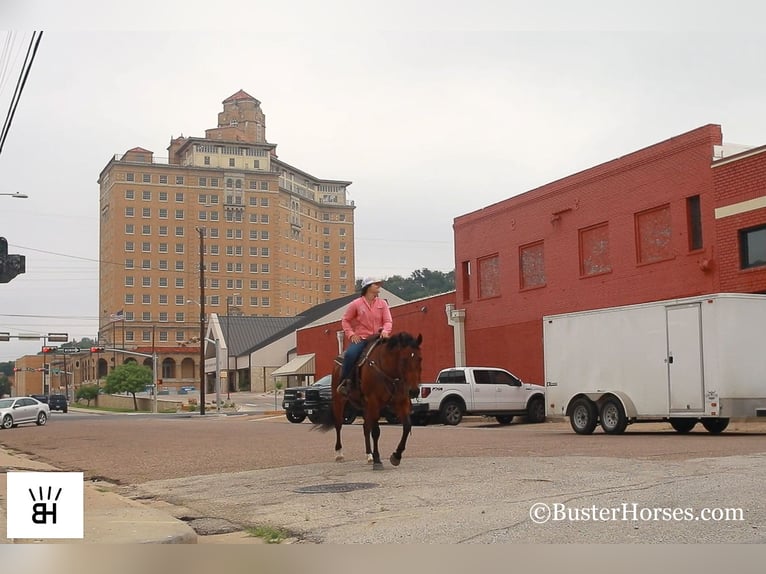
388, 377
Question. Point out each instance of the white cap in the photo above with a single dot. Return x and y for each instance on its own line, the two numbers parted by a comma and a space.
370, 281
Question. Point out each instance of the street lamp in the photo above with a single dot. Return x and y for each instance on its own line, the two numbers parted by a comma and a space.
16, 195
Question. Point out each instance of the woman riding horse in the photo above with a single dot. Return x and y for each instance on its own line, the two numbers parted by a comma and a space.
389, 377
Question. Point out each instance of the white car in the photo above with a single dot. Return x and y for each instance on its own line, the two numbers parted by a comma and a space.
18, 410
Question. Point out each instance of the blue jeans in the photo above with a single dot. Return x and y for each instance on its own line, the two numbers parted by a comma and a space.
351, 356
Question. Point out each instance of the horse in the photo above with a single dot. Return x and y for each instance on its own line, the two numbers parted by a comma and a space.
389, 377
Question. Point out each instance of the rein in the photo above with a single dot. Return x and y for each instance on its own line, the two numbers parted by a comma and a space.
391, 384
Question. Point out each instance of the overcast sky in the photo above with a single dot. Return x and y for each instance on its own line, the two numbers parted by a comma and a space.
431, 110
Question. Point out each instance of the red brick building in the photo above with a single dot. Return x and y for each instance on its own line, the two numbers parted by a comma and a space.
679, 218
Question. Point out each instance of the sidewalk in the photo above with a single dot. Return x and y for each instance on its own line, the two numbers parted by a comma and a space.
109, 517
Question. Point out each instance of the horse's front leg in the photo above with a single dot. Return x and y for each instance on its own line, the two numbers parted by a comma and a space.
376, 463
396, 456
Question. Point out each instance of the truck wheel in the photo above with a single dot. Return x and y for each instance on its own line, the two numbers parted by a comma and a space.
536, 411
613, 419
583, 416
682, 425
294, 418
715, 426
451, 413
504, 419
420, 420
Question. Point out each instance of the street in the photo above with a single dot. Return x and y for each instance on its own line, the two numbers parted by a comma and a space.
471, 483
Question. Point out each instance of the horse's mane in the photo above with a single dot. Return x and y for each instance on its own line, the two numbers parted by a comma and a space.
402, 339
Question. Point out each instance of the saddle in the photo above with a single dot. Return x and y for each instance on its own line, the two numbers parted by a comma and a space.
356, 373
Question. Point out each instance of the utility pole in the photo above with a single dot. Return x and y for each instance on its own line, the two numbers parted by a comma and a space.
201, 231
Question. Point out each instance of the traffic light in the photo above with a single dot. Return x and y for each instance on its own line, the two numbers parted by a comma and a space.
10, 265
47, 350
97, 349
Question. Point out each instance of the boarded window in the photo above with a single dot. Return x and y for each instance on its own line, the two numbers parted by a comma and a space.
489, 276
532, 263
594, 250
653, 234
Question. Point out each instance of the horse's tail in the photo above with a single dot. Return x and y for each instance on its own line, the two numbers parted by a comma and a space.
327, 424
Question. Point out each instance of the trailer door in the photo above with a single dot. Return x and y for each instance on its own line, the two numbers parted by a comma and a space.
685, 375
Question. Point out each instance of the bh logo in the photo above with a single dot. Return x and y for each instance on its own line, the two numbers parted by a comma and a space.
44, 505
41, 510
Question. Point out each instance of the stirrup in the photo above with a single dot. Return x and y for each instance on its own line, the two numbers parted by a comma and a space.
343, 387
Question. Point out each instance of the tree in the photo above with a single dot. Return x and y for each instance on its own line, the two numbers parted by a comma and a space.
420, 283
7, 368
87, 392
129, 378
5, 385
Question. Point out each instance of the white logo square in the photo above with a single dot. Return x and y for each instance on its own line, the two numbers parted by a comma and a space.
45, 504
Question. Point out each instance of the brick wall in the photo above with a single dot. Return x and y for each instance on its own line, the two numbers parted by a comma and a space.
506, 330
736, 181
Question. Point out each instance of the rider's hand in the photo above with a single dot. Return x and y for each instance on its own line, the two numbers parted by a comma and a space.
356, 339
384, 335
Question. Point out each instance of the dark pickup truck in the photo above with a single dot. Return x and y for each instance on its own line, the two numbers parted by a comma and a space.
294, 400
318, 406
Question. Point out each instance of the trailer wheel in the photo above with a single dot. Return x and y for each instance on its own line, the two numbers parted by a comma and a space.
504, 419
613, 419
583, 416
682, 425
715, 426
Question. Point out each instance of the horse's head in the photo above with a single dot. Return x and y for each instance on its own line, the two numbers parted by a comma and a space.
409, 360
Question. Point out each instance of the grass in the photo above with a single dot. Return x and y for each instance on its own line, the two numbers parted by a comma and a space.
269, 534
107, 409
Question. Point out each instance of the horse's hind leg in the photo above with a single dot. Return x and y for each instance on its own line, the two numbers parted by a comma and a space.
376, 463
367, 428
338, 405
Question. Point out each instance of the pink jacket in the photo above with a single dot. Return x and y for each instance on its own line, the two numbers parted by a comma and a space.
365, 319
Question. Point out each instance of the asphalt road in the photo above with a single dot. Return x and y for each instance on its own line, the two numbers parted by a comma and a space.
472, 483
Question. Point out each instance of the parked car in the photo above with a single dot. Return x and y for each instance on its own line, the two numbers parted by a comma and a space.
58, 403
19, 410
294, 399
41, 398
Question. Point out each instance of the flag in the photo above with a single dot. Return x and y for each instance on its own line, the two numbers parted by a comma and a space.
118, 316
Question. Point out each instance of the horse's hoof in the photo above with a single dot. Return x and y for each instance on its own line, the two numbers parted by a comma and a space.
339, 458
369, 459
377, 466
395, 461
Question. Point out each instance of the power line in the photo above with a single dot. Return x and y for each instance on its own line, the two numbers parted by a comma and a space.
20, 86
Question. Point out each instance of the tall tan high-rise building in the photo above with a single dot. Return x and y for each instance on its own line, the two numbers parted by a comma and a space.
277, 239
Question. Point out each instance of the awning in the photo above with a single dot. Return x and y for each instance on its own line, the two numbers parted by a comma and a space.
300, 365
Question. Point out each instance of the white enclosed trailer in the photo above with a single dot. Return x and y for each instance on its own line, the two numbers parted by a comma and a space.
697, 359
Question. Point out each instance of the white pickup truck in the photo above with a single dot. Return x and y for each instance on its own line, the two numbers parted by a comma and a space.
487, 391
